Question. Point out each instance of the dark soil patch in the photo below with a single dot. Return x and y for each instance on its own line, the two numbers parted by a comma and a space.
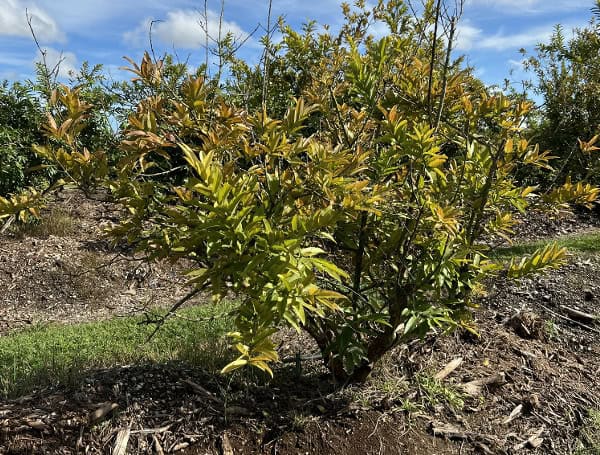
536, 225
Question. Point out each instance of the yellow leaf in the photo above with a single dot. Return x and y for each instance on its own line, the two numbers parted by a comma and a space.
261, 366
238, 363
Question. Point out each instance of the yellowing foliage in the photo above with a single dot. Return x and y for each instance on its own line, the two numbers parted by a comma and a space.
344, 217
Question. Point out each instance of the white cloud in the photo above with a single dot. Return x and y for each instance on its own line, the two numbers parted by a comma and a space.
519, 7
66, 62
466, 36
516, 64
183, 29
522, 4
9, 75
470, 37
13, 59
501, 41
13, 21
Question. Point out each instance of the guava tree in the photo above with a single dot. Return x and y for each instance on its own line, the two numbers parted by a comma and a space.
366, 230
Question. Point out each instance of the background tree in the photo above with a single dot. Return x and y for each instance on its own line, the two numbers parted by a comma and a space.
21, 115
567, 77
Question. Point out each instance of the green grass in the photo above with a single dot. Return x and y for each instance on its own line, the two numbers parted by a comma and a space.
584, 243
434, 391
589, 443
53, 354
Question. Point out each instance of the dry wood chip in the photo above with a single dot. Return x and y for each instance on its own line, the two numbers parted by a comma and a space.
473, 388
37, 425
513, 415
179, 446
534, 441
447, 430
120, 447
448, 369
226, 445
101, 412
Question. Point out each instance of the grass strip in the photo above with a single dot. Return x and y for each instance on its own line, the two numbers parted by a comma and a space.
583, 243
51, 354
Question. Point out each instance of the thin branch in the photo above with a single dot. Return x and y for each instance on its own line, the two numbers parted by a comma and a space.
160, 322
150, 39
267, 60
169, 171
453, 21
8, 223
206, 38
220, 42
432, 61
48, 75
580, 324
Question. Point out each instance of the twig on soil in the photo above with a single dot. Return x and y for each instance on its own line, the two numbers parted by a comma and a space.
580, 324
451, 432
152, 430
157, 446
7, 224
117, 258
580, 315
544, 419
198, 388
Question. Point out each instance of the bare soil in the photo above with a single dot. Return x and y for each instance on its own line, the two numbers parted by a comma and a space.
71, 273
540, 365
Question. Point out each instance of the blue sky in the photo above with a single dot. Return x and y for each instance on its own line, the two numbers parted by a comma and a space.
490, 34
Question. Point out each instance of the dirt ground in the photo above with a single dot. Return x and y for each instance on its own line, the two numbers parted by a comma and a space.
66, 271
525, 385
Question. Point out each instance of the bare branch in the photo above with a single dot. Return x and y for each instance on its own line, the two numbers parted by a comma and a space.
267, 59
150, 39
49, 75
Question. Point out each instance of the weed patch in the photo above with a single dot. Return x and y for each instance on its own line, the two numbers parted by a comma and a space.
57, 222
589, 441
434, 392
